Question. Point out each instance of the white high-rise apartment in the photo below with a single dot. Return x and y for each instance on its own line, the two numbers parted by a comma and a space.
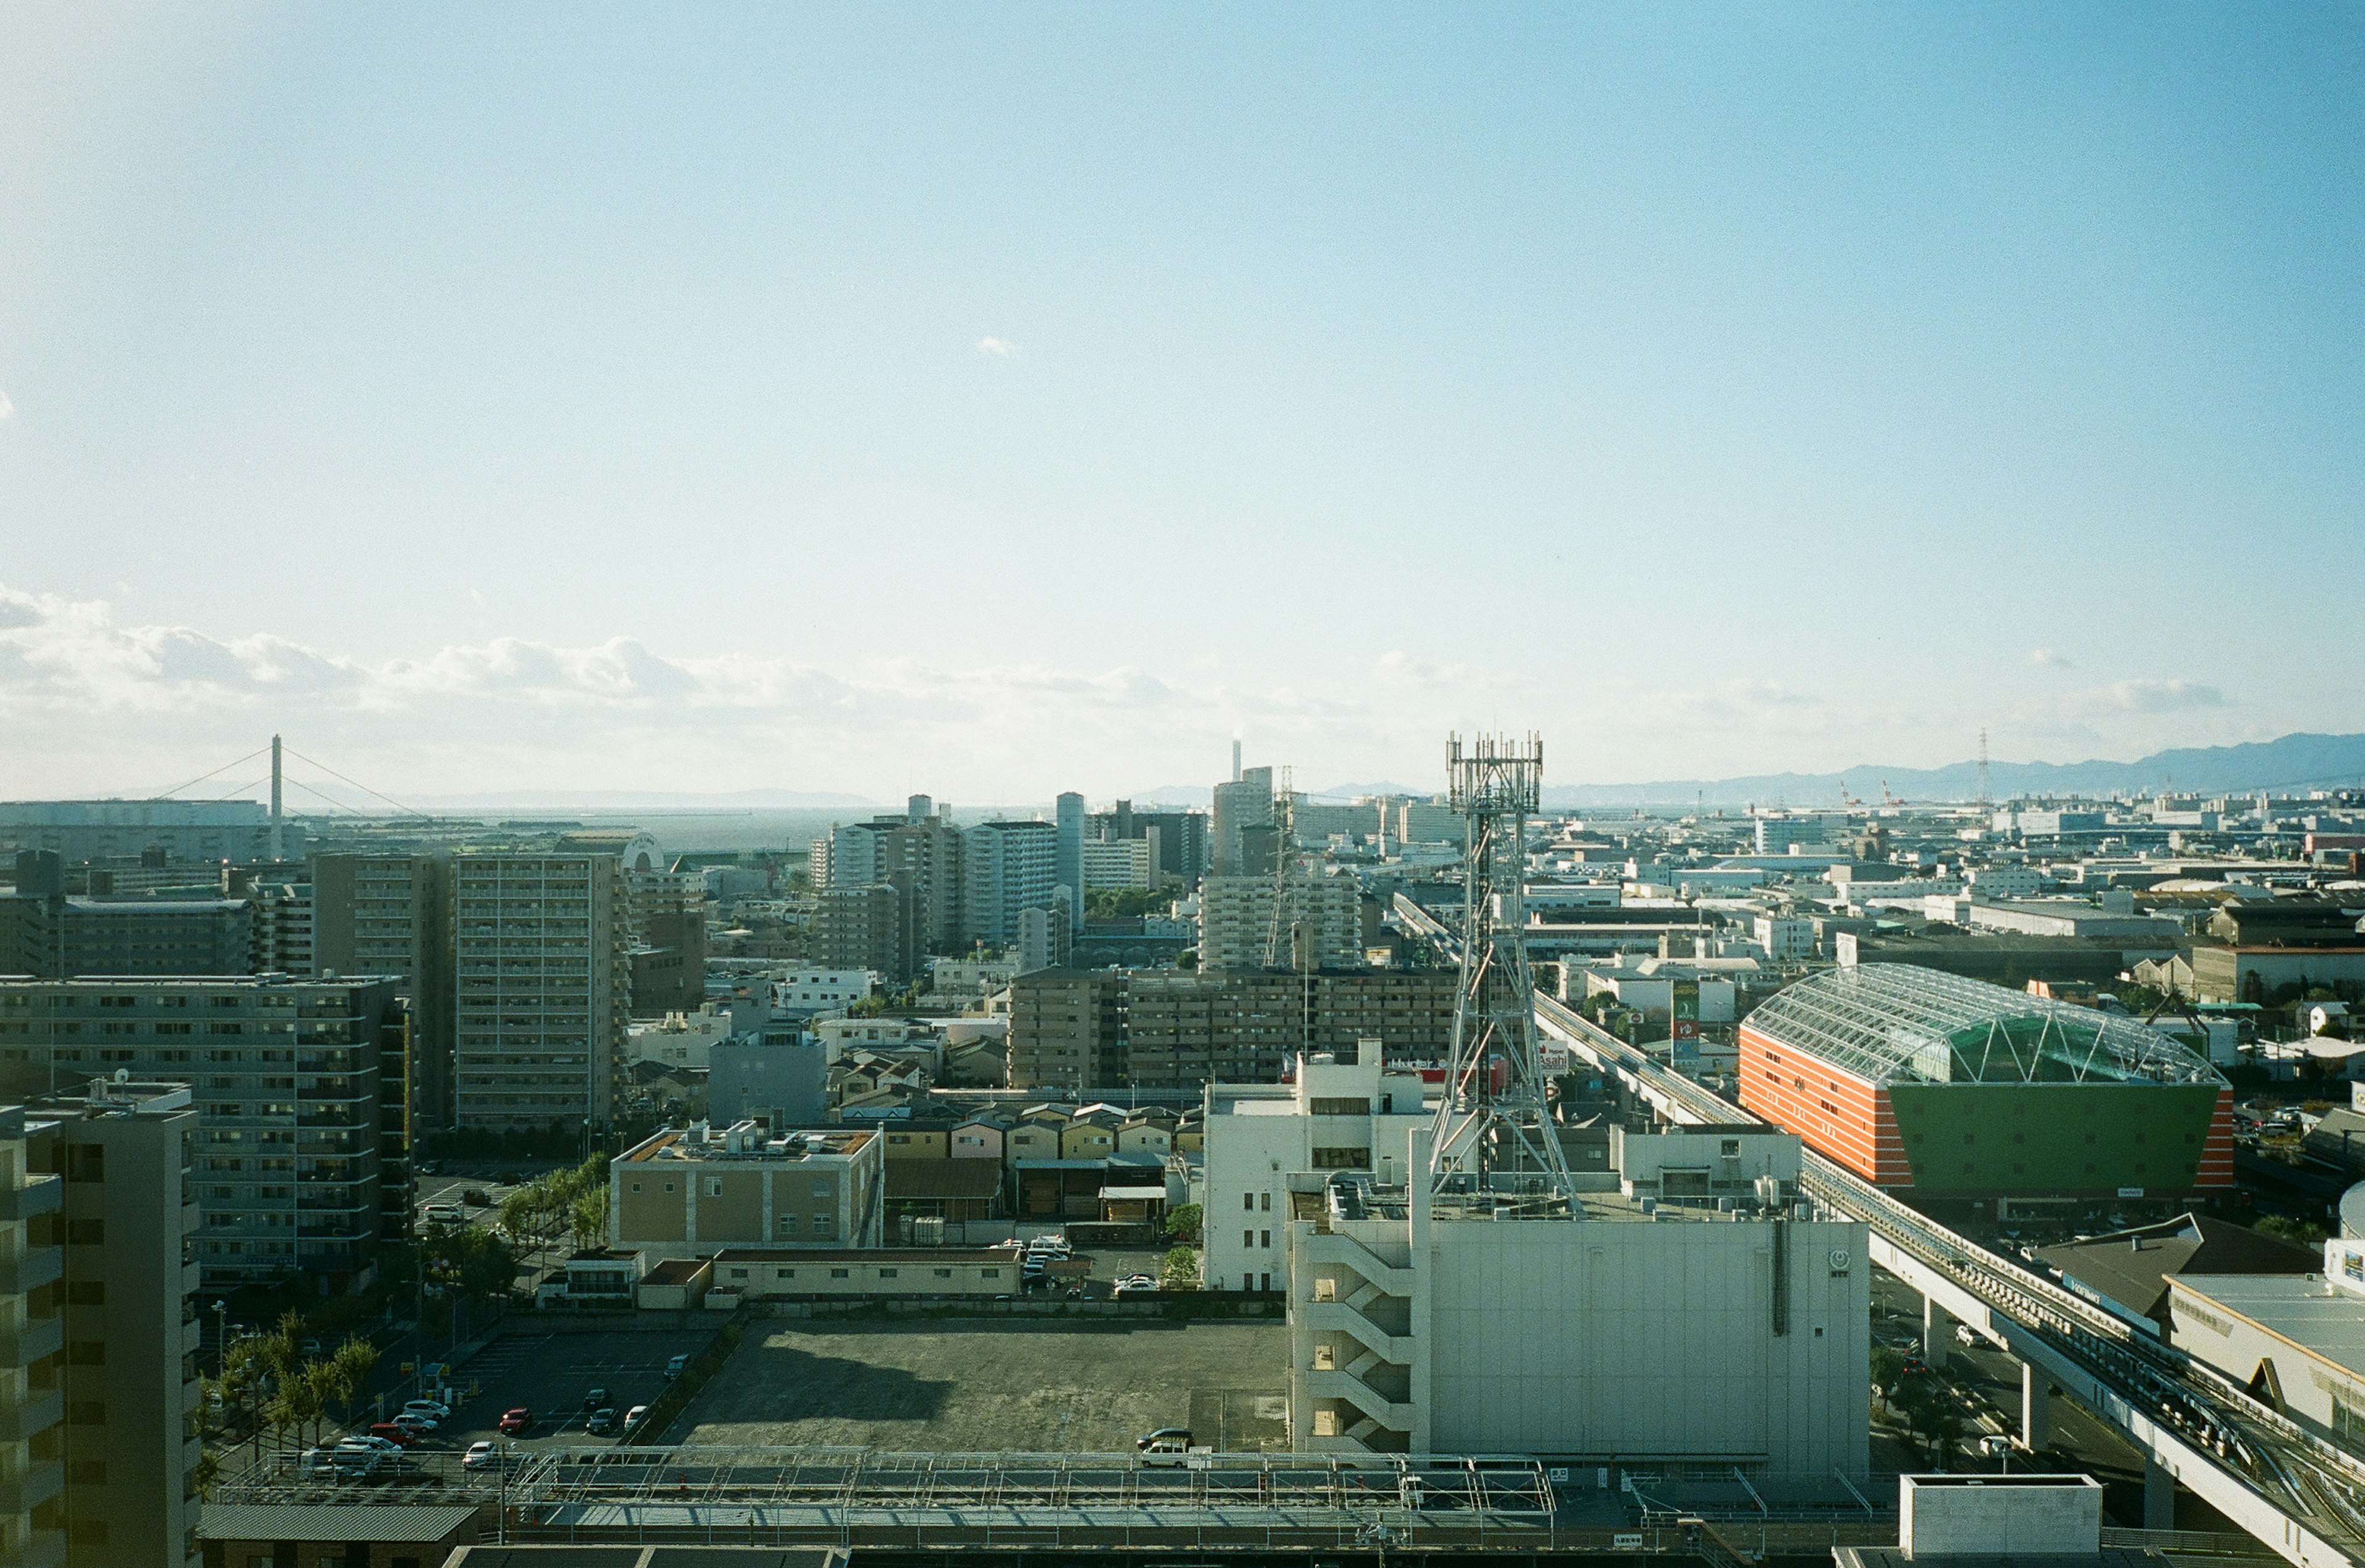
541, 988
1007, 868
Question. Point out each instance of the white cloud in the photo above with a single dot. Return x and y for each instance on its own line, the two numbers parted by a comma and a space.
2045, 658
997, 348
2160, 696
6, 408
90, 695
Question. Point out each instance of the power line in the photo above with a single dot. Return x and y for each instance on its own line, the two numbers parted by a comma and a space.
358, 785
315, 789
201, 777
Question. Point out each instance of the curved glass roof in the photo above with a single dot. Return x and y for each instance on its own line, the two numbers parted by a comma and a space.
1897, 1022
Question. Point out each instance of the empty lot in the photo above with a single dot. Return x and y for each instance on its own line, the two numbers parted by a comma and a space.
996, 1383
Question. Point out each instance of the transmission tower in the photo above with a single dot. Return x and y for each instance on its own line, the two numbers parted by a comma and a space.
1281, 935
1493, 1131
1285, 860
1984, 801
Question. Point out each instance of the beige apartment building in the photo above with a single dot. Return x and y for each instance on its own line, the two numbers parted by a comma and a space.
98, 1383
543, 988
691, 1193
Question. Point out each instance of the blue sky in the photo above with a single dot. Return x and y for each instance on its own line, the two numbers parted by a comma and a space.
1002, 399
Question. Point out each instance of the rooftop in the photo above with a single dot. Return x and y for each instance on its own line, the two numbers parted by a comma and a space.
1889, 1023
2326, 1323
746, 1141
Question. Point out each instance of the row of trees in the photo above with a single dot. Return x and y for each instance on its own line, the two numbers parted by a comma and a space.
570, 1202
270, 1379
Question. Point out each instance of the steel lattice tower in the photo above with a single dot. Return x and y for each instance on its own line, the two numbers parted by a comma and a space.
1492, 1123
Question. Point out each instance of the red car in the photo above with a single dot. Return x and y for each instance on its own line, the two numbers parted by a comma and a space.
514, 1422
393, 1433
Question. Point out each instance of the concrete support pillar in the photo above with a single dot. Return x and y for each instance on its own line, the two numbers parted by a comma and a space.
1937, 1333
2160, 1497
2035, 1409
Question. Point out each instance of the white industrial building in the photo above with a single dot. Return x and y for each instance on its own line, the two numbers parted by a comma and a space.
808, 989
1638, 1330
1335, 1115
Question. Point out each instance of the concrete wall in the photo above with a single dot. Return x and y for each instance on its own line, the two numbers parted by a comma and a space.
2049, 1516
1636, 1340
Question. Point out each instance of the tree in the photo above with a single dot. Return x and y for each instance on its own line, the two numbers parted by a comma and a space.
1887, 1372
472, 1260
1181, 1271
591, 1218
1182, 1223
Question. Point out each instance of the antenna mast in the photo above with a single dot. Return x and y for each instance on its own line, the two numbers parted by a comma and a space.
1494, 1130
1984, 800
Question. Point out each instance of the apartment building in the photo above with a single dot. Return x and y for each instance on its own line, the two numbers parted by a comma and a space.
1007, 867
128, 1369
283, 927
300, 1164
1177, 1029
864, 925
1321, 926
46, 931
541, 988
687, 1193
32, 1338
391, 914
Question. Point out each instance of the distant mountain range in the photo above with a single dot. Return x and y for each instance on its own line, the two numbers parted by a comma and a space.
2293, 762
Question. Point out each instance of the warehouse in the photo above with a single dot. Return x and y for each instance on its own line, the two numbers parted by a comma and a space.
1953, 1087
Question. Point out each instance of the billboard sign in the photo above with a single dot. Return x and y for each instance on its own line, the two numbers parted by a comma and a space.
1682, 1025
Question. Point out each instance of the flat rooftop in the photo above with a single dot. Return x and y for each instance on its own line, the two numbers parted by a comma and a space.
676, 1143
2323, 1320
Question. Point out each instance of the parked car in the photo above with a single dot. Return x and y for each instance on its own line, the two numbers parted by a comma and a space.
677, 1366
482, 1454
434, 1407
1166, 1439
1134, 1284
600, 1422
445, 1213
633, 1417
358, 1464
515, 1421
414, 1421
1965, 1337
309, 1349
362, 1440
477, 1196
317, 1462
393, 1432
593, 1400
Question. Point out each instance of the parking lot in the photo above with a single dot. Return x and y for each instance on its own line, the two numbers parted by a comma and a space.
550, 1374
969, 1386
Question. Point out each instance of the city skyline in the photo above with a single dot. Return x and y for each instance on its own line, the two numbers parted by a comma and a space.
1837, 387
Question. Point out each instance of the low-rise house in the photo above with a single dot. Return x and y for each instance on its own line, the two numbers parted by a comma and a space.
979, 1138
916, 1139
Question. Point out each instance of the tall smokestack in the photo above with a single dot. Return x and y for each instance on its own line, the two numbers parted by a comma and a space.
278, 831
1235, 759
